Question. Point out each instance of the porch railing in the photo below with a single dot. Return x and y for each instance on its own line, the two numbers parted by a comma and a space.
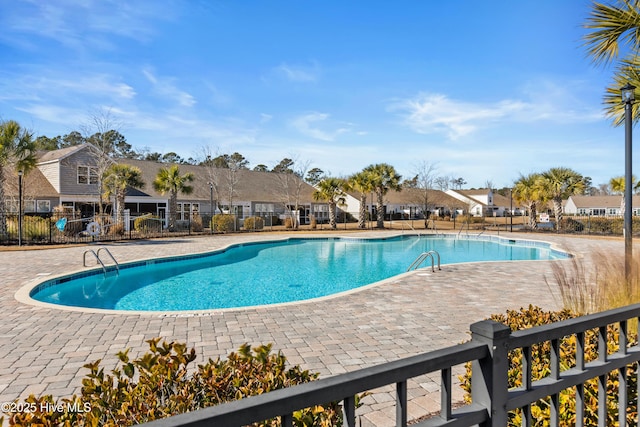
492, 399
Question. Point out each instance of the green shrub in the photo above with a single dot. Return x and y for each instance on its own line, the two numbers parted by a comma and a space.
148, 224
158, 385
223, 223
540, 368
569, 224
35, 227
254, 223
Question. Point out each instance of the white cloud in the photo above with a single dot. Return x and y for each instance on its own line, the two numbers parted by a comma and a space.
308, 125
165, 88
54, 114
35, 87
437, 113
265, 118
82, 23
299, 73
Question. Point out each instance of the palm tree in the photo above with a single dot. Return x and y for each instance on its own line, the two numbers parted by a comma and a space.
528, 191
362, 183
170, 181
612, 27
332, 191
17, 148
117, 179
383, 178
617, 186
559, 184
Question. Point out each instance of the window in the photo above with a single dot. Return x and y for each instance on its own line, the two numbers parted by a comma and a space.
264, 208
87, 175
186, 209
43, 205
29, 205
321, 212
11, 206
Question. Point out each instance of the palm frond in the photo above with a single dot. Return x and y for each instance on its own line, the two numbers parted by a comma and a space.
627, 72
613, 27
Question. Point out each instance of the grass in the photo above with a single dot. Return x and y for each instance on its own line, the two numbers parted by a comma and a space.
596, 282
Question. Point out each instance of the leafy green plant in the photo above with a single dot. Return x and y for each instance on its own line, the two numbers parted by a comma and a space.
540, 368
223, 223
254, 223
158, 385
34, 228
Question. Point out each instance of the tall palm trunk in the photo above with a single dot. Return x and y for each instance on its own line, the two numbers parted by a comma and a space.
363, 211
380, 209
557, 210
120, 196
533, 213
173, 210
332, 215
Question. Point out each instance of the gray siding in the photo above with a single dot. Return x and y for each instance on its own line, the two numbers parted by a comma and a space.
69, 174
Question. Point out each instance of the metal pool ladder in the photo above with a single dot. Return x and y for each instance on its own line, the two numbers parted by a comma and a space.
422, 257
96, 255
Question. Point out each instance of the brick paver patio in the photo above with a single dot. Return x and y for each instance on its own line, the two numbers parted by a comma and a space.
43, 349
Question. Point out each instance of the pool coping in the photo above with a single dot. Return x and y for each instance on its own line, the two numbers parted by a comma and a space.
23, 294
44, 350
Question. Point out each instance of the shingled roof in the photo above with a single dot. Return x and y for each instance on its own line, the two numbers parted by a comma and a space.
251, 185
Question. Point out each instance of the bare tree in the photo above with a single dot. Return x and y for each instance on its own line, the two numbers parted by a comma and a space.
458, 182
442, 183
291, 174
214, 173
235, 163
223, 174
425, 180
100, 133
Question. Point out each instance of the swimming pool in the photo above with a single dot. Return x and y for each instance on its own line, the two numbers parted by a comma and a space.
252, 274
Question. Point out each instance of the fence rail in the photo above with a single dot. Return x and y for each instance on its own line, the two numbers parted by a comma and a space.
41, 228
488, 351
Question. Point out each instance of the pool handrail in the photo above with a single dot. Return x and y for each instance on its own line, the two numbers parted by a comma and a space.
423, 256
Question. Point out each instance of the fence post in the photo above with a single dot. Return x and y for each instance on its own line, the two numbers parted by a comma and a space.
489, 376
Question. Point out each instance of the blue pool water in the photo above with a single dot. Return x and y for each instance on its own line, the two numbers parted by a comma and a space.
267, 273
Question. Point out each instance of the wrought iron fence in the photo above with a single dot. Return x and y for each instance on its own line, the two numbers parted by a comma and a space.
52, 228
47, 228
493, 402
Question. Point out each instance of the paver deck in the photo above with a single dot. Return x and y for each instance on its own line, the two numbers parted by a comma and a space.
43, 350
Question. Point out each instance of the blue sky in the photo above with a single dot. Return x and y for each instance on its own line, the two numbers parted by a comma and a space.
485, 90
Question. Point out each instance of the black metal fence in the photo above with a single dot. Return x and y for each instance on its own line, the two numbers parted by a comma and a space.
55, 228
39, 229
492, 401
